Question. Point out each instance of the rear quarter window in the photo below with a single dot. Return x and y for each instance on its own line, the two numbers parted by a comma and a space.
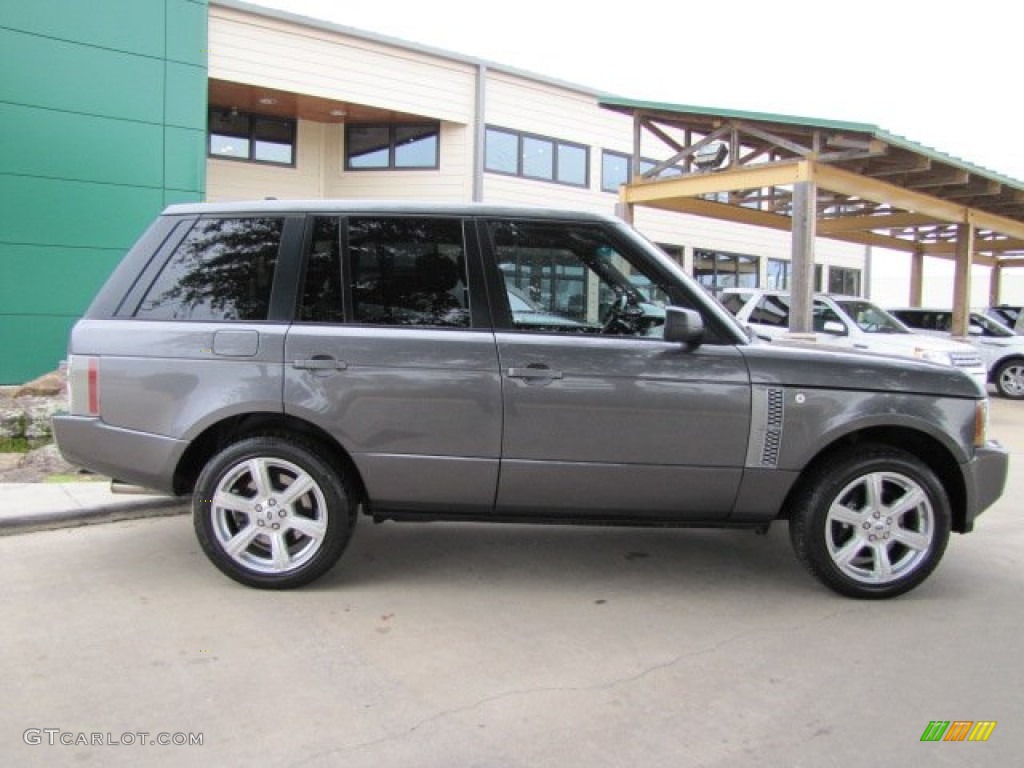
223, 270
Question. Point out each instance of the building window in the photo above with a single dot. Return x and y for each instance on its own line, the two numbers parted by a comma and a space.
392, 146
537, 157
237, 135
844, 280
779, 271
716, 271
616, 169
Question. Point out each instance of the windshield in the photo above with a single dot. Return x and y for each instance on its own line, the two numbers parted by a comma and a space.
990, 327
870, 318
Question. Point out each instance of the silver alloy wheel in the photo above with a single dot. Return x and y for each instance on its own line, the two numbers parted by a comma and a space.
1011, 380
269, 515
880, 527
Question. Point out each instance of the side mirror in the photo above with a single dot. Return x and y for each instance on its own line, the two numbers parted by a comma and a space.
833, 327
683, 326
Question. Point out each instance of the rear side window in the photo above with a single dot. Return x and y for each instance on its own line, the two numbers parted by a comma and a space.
223, 270
408, 271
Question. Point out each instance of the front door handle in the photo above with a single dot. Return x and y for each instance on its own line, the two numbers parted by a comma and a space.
320, 363
534, 372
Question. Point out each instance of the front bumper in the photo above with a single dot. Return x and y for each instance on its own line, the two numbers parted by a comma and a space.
984, 479
124, 454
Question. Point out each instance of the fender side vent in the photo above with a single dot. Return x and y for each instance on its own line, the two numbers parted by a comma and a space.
773, 428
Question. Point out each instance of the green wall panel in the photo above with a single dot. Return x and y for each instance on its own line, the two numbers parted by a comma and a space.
173, 196
77, 78
102, 124
185, 104
44, 142
136, 26
49, 212
188, 43
32, 345
184, 159
49, 280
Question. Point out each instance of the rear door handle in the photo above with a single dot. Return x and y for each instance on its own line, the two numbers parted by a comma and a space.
534, 372
320, 363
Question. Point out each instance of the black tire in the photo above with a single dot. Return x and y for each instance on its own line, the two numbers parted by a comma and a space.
1009, 379
282, 539
868, 546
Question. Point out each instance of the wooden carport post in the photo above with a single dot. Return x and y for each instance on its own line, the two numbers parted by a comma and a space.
805, 216
916, 276
995, 284
962, 278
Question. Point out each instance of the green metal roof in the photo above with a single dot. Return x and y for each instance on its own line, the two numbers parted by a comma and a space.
620, 104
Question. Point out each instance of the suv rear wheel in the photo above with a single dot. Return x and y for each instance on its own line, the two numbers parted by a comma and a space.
871, 523
270, 513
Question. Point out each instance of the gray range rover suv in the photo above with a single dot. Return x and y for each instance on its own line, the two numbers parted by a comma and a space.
294, 364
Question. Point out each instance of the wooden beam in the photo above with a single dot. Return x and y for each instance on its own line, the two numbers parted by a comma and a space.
731, 180
949, 178
775, 141
723, 212
882, 221
962, 280
1003, 225
916, 277
844, 182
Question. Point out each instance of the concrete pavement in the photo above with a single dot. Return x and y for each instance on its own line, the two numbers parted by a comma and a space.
38, 506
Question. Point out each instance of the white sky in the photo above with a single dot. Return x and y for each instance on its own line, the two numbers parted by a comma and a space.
943, 73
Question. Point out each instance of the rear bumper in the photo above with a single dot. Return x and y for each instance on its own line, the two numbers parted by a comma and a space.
985, 479
136, 457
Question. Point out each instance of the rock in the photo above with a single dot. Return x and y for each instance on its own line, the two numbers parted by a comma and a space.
39, 413
47, 385
9, 461
35, 466
12, 419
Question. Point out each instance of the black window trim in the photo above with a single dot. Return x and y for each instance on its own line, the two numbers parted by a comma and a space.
392, 128
555, 142
254, 117
629, 166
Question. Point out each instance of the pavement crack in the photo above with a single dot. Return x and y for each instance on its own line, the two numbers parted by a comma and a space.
604, 686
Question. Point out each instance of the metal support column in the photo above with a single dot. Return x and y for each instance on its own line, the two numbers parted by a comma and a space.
805, 216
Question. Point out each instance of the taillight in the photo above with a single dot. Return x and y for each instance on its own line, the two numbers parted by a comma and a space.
94, 387
84, 385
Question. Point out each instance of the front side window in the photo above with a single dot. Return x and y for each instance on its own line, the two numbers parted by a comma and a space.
571, 278
322, 294
223, 270
240, 136
408, 271
536, 157
871, 318
392, 146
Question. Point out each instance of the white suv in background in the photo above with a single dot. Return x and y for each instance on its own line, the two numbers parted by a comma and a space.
850, 322
1000, 348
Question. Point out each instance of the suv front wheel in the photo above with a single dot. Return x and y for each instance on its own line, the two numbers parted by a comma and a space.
871, 523
270, 513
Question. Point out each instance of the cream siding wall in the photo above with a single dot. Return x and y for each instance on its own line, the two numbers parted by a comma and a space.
253, 49
279, 54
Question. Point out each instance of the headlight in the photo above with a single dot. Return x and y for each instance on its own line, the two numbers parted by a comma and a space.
933, 356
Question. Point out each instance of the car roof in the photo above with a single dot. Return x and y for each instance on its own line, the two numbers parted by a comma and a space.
780, 292
380, 206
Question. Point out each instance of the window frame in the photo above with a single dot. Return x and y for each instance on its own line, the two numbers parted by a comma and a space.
392, 146
678, 170
556, 145
253, 119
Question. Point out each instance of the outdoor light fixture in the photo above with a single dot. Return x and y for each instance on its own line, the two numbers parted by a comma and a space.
711, 155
